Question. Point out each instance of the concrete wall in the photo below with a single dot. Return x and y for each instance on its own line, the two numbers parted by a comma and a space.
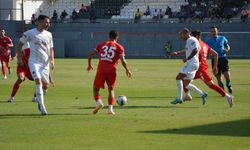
5, 9
145, 40
139, 40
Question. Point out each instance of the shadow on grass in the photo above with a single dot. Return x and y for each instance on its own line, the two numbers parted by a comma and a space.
3, 116
151, 97
240, 128
139, 107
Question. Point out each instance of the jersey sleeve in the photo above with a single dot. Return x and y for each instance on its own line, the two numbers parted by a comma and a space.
225, 41
193, 44
98, 48
121, 51
9, 41
51, 41
25, 38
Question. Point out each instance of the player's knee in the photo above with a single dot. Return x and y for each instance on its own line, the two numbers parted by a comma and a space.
210, 83
45, 86
38, 81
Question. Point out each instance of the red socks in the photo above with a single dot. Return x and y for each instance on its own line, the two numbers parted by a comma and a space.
218, 89
15, 89
111, 100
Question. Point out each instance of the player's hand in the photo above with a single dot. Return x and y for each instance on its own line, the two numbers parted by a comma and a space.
52, 64
173, 54
215, 71
128, 73
52, 82
89, 68
184, 60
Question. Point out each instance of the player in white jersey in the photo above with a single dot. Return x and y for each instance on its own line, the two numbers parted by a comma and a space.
41, 56
187, 73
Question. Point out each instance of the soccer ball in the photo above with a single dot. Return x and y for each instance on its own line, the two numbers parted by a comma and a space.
121, 100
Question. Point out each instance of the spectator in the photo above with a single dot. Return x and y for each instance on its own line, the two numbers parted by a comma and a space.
33, 19
161, 14
155, 15
83, 9
244, 14
168, 48
168, 11
63, 15
55, 16
137, 15
74, 15
147, 12
92, 16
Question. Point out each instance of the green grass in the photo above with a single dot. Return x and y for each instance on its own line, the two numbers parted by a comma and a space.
148, 121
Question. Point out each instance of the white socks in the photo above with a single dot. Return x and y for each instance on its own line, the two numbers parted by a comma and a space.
39, 94
180, 88
195, 89
111, 107
99, 102
227, 96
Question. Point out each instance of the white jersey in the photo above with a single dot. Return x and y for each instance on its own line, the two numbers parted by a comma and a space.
25, 46
40, 45
191, 44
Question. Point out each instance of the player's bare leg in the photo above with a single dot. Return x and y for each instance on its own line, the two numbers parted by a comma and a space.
98, 99
3, 70
219, 79
188, 96
40, 97
16, 86
111, 100
228, 81
8, 66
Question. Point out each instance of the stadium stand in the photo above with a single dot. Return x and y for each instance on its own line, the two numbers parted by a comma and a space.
160, 10
128, 11
48, 7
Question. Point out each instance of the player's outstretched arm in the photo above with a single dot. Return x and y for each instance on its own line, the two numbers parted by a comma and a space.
215, 54
90, 56
10, 44
19, 53
178, 52
125, 65
52, 62
51, 81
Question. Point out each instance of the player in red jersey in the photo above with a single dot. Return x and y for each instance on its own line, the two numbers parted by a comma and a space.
203, 72
5, 54
109, 52
24, 72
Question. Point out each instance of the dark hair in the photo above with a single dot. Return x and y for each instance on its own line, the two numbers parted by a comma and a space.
42, 17
113, 34
213, 27
185, 30
196, 33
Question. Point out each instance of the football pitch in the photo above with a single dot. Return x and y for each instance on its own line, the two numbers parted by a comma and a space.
148, 121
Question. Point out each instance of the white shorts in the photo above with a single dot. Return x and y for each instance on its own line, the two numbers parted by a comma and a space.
190, 70
39, 71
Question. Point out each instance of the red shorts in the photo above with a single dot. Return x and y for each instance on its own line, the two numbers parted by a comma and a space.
25, 71
105, 76
5, 58
203, 75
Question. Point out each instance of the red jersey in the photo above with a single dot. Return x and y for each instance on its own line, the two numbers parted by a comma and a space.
204, 51
109, 53
4, 49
